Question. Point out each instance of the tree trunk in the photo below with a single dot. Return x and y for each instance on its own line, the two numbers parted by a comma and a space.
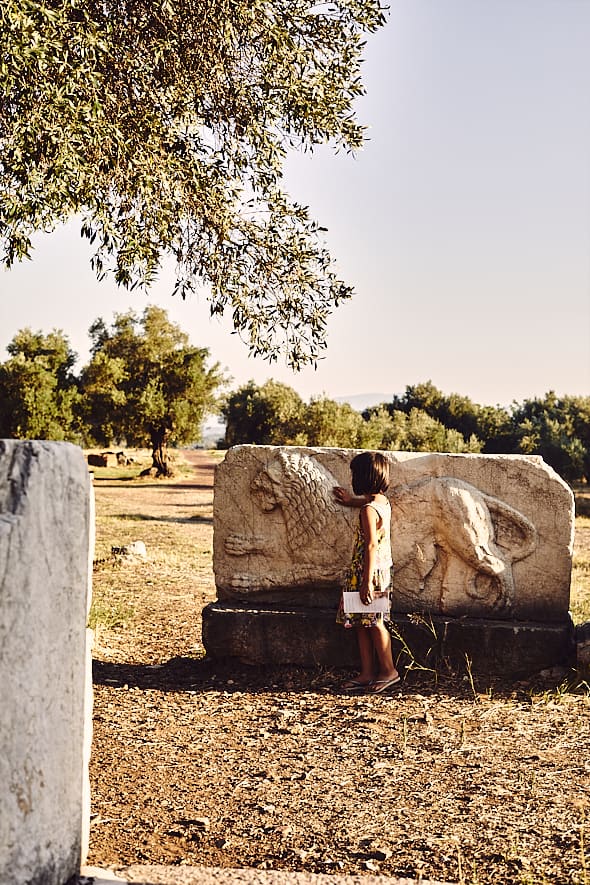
159, 437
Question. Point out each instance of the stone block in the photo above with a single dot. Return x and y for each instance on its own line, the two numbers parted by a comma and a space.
310, 637
297, 637
95, 460
500, 648
104, 459
46, 544
483, 536
482, 549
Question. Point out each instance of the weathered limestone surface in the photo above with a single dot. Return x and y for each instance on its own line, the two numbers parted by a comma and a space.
46, 542
310, 637
472, 535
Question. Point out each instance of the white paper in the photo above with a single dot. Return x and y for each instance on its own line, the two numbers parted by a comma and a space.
353, 603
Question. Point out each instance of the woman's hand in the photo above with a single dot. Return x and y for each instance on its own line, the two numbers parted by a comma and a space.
342, 496
365, 593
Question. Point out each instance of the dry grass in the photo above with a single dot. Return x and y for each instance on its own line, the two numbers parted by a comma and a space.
169, 588
582, 495
580, 587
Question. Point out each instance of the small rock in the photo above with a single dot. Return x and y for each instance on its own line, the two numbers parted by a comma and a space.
381, 854
202, 823
136, 548
554, 673
267, 809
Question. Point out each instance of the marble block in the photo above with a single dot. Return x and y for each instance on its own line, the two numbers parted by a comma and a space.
46, 544
485, 536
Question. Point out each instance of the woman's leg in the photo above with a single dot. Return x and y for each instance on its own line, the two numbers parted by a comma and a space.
382, 642
366, 652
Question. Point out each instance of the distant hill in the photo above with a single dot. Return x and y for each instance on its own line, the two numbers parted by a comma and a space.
362, 401
213, 430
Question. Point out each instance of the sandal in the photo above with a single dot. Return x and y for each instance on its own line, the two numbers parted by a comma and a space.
380, 685
354, 685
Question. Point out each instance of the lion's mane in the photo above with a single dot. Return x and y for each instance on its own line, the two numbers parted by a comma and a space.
308, 488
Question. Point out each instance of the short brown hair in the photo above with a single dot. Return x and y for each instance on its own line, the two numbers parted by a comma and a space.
370, 473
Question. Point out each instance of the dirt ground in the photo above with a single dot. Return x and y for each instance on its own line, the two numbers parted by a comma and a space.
201, 764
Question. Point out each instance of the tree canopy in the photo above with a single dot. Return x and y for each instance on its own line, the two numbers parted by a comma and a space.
38, 390
146, 383
274, 414
422, 419
166, 126
269, 414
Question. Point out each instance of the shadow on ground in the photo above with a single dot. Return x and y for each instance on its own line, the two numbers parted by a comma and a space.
142, 517
185, 674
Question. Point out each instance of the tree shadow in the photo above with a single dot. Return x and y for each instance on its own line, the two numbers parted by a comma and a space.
200, 675
230, 676
109, 482
143, 517
193, 485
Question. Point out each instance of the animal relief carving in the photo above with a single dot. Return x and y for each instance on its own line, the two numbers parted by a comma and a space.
453, 546
317, 542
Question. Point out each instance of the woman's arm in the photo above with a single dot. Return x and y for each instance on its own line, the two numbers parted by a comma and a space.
343, 496
369, 517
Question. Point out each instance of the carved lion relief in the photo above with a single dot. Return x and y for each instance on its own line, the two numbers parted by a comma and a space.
316, 533
453, 546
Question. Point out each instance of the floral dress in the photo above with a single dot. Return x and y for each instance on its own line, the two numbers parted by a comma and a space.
381, 576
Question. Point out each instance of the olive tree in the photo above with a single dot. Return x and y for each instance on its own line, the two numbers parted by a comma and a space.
330, 423
38, 390
165, 125
146, 384
267, 414
558, 428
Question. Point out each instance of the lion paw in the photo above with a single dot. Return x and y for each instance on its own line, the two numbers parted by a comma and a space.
241, 582
241, 545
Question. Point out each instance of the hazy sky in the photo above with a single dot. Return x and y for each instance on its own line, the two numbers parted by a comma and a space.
464, 224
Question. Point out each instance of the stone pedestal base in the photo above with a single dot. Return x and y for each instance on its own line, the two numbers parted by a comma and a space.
310, 637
